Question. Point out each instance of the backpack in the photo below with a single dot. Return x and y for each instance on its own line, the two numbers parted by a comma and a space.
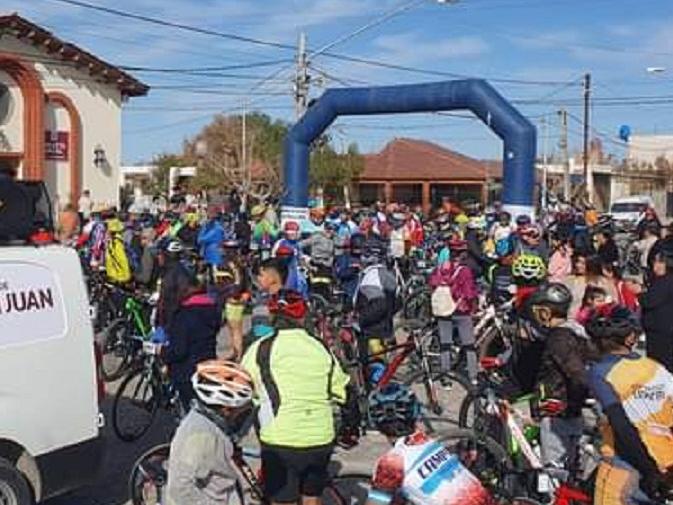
117, 265
442, 301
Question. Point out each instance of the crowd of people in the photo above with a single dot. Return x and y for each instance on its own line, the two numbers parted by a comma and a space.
581, 300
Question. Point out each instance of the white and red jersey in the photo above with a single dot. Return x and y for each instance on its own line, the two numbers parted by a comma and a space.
424, 472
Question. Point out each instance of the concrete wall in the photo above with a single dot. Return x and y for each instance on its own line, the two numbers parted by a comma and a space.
99, 106
647, 148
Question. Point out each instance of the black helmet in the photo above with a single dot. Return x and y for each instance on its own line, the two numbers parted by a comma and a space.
375, 250
612, 322
553, 294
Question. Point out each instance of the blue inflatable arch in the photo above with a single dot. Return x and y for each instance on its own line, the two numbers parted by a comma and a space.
476, 95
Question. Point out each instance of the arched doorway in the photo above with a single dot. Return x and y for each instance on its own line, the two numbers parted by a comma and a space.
28, 80
75, 142
476, 95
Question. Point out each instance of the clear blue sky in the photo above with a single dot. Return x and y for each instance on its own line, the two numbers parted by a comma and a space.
529, 40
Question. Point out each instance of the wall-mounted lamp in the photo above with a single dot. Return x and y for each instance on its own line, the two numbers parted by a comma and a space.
99, 160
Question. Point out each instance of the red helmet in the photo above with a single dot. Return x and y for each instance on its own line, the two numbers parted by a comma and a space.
458, 244
288, 303
291, 226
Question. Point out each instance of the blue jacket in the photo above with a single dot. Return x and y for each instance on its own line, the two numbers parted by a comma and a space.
210, 241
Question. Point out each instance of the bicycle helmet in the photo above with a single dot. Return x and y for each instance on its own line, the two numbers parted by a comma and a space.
555, 294
289, 304
258, 211
529, 267
394, 409
220, 383
291, 230
284, 251
457, 244
612, 322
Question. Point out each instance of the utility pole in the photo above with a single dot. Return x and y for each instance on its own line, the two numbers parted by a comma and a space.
545, 167
588, 177
302, 79
563, 145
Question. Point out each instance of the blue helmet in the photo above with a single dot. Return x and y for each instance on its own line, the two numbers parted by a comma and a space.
394, 409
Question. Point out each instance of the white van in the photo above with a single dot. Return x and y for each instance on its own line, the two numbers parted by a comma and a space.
49, 415
628, 210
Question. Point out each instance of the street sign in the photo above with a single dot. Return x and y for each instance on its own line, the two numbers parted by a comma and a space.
56, 145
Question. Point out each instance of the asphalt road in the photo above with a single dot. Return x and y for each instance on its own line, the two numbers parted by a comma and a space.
111, 487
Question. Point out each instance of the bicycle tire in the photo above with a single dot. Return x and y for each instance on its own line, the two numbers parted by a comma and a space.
438, 397
117, 351
149, 476
486, 340
143, 409
347, 489
484, 457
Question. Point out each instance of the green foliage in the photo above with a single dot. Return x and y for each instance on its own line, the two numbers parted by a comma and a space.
332, 171
158, 183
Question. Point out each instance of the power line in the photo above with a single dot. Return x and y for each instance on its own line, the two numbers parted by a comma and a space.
172, 24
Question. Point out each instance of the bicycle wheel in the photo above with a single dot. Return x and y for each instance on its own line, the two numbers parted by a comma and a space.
135, 405
440, 395
485, 458
347, 489
117, 350
149, 476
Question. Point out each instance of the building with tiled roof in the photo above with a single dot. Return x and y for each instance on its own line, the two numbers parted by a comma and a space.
418, 172
60, 112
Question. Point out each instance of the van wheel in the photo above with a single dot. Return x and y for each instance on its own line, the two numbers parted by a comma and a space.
14, 489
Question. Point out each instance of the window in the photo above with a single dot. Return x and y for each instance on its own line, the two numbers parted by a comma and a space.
629, 207
6, 104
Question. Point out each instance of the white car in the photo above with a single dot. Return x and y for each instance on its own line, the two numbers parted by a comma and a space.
49, 387
628, 211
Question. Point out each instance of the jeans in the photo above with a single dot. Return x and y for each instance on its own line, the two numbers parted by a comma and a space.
466, 334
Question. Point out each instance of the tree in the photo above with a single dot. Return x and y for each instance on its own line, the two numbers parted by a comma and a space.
222, 166
159, 178
332, 172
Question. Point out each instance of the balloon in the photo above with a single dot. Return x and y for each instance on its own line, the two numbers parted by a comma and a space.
625, 132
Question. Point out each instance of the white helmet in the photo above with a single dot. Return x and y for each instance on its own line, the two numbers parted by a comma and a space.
219, 383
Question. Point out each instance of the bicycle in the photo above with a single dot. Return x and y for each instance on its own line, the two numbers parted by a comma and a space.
149, 478
140, 395
436, 390
487, 412
119, 347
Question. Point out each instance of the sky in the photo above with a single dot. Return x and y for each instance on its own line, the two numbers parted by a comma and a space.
534, 52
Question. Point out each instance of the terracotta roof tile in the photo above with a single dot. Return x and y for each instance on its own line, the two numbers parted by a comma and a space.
406, 159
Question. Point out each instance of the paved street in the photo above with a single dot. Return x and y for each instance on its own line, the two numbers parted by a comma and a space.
111, 487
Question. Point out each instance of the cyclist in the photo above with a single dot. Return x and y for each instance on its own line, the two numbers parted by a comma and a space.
419, 469
561, 381
296, 379
459, 278
321, 246
173, 273
230, 282
375, 301
210, 238
528, 272
200, 467
636, 394
192, 336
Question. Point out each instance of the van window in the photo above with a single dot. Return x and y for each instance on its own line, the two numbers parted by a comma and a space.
629, 207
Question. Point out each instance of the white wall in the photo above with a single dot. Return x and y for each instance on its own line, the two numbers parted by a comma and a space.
99, 106
647, 148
